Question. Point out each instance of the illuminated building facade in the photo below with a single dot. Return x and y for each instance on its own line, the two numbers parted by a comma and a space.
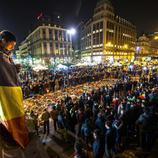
143, 47
47, 42
154, 44
147, 46
107, 36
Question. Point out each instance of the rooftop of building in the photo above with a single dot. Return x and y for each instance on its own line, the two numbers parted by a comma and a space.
103, 1
143, 38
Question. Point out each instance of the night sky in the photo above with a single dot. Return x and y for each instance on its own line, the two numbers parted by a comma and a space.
19, 15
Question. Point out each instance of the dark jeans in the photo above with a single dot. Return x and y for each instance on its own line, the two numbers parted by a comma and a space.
55, 124
146, 140
109, 152
46, 127
117, 93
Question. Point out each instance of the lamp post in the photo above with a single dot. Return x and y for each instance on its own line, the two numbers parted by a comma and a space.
137, 52
71, 32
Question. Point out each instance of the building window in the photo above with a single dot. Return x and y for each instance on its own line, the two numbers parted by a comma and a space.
51, 48
97, 26
45, 45
50, 34
109, 37
110, 25
44, 33
101, 25
61, 45
94, 27
56, 35
56, 45
51, 44
61, 48
37, 35
94, 39
69, 50
64, 49
101, 37
60, 35
97, 38
64, 34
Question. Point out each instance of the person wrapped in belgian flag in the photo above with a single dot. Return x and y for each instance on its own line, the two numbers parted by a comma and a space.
13, 130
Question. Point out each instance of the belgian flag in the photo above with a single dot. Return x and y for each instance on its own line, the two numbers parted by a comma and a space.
12, 114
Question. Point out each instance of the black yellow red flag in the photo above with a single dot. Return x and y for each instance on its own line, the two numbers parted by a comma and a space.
12, 114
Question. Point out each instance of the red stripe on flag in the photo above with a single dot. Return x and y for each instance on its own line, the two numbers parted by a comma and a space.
17, 128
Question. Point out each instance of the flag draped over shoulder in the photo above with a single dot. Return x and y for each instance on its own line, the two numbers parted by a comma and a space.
12, 114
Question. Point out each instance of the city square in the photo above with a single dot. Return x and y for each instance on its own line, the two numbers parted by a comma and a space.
78, 80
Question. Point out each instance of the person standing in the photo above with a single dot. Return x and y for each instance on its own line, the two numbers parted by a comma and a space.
13, 130
97, 145
45, 118
54, 115
79, 152
110, 138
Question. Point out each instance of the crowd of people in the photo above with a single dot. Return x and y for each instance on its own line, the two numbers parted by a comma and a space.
48, 81
42, 82
108, 118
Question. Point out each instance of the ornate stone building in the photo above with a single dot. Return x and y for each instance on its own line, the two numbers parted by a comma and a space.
47, 42
147, 46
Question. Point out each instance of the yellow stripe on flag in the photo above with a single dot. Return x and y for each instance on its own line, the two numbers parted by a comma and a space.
11, 103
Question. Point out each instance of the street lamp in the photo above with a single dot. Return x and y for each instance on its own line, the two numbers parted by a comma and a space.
71, 31
156, 38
